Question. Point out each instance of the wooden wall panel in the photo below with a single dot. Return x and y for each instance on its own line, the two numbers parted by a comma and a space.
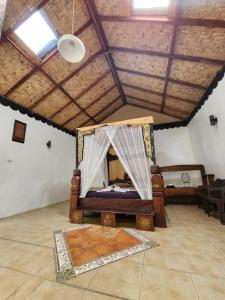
154, 65
66, 113
80, 119
86, 76
109, 110
201, 41
194, 72
147, 105
31, 90
185, 92
139, 35
178, 105
103, 102
153, 84
101, 87
204, 9
58, 68
113, 7
60, 14
13, 66
52, 103
142, 95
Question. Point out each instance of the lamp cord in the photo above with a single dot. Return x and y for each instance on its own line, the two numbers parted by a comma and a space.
73, 17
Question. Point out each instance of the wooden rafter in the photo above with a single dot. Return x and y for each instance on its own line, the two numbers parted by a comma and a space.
102, 38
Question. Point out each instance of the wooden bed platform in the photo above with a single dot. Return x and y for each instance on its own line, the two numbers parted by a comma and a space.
148, 213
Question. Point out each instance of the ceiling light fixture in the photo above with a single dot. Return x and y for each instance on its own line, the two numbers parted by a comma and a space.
71, 47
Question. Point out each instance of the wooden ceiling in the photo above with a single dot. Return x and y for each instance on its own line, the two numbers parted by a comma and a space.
162, 63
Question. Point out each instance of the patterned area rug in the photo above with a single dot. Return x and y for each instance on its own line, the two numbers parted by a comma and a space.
86, 247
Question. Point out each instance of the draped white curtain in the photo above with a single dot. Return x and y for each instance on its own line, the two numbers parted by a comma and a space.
129, 146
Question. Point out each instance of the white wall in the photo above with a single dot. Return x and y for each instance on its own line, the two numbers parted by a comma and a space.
31, 175
208, 142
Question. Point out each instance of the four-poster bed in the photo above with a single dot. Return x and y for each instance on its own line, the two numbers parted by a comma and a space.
133, 143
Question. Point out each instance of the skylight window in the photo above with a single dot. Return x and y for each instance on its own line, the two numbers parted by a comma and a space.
150, 3
38, 34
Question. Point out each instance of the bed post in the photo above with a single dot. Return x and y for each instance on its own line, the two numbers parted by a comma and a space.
76, 215
158, 197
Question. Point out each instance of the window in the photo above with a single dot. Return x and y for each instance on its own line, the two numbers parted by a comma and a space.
150, 7
38, 34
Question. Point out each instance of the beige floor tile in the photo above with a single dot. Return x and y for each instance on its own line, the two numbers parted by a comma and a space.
83, 280
209, 288
55, 291
95, 296
26, 289
162, 284
122, 278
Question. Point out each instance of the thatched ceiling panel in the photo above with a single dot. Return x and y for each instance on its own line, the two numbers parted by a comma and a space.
144, 104
142, 95
109, 110
89, 123
113, 7
13, 66
66, 113
102, 86
17, 9
204, 9
58, 68
31, 90
175, 113
153, 84
103, 102
184, 92
179, 105
80, 119
201, 41
60, 14
52, 103
139, 35
153, 65
86, 76
193, 72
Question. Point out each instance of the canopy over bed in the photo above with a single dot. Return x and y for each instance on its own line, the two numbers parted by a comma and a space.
133, 143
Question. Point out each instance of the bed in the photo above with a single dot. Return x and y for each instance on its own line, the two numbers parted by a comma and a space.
148, 209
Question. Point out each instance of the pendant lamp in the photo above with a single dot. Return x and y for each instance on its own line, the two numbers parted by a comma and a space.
71, 47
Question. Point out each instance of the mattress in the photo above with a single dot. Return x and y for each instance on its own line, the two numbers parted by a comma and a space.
116, 195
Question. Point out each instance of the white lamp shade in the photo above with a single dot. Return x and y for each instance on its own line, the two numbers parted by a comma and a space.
71, 48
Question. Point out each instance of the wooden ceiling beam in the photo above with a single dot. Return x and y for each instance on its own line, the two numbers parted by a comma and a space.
167, 55
102, 38
109, 114
159, 94
193, 85
164, 20
143, 100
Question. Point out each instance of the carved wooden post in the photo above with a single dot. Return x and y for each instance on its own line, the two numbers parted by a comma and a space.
158, 197
76, 215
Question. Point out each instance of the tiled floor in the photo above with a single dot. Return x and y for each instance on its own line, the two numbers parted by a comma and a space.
189, 264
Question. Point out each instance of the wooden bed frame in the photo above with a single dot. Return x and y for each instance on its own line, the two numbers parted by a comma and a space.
148, 213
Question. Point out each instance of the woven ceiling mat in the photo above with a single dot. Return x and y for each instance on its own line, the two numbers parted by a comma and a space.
139, 35
113, 7
31, 90
109, 110
185, 92
175, 113
66, 114
145, 104
201, 41
142, 95
52, 103
79, 120
60, 14
103, 102
194, 72
203, 9
153, 84
87, 76
13, 66
153, 65
58, 68
179, 105
102, 86
15, 11
89, 123
87, 247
